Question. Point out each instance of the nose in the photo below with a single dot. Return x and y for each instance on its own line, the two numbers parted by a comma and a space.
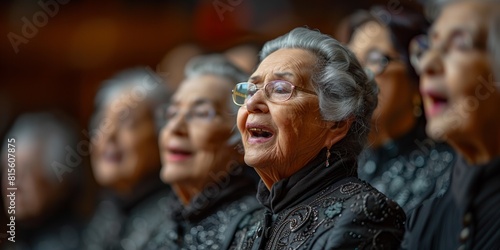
177, 124
431, 64
109, 130
257, 103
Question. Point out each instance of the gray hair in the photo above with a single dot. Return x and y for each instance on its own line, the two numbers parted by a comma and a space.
52, 133
221, 66
141, 83
215, 64
344, 90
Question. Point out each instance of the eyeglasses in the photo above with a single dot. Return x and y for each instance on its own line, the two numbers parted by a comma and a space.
459, 40
275, 91
376, 61
197, 114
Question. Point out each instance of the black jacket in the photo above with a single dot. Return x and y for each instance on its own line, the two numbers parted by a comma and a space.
211, 218
127, 223
324, 208
466, 217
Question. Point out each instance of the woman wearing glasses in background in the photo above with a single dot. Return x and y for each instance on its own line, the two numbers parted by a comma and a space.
201, 159
304, 117
401, 161
460, 88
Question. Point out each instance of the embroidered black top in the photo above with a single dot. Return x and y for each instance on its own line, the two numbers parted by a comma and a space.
324, 208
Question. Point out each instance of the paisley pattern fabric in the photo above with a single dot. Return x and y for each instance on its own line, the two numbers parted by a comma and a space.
323, 208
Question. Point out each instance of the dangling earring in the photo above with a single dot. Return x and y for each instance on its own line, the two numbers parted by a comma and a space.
327, 158
417, 106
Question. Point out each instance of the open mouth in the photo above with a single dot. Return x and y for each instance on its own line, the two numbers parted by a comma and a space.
260, 133
112, 156
438, 99
178, 154
435, 103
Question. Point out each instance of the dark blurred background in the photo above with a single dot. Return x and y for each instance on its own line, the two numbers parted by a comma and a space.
78, 43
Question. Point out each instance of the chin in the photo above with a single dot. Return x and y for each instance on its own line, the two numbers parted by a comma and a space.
438, 129
169, 175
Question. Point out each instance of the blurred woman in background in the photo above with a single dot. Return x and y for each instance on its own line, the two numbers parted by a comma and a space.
460, 65
126, 161
202, 159
49, 173
401, 161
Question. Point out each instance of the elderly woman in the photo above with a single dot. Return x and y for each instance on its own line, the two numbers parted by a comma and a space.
126, 161
461, 99
202, 161
304, 117
49, 176
401, 162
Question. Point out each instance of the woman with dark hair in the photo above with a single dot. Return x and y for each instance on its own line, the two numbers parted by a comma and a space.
402, 162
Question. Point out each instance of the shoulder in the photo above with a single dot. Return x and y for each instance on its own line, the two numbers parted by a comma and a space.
352, 214
220, 226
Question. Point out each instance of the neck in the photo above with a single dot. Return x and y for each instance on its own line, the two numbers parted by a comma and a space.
268, 178
127, 189
271, 174
185, 193
382, 132
481, 149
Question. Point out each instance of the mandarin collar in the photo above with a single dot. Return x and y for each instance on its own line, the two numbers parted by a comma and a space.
309, 180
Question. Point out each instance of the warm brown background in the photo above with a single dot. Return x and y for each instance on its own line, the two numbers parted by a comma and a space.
87, 41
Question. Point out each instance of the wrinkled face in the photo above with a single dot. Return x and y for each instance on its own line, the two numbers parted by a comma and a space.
282, 137
125, 146
194, 142
457, 84
38, 190
369, 42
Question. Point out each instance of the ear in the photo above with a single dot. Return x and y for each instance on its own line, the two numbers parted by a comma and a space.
337, 131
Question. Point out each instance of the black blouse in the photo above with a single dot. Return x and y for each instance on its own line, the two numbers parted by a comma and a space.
127, 222
410, 169
323, 207
466, 217
211, 218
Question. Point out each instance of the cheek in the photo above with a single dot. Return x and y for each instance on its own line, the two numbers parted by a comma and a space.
212, 137
163, 137
290, 123
464, 75
241, 120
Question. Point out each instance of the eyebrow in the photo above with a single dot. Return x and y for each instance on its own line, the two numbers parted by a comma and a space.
197, 102
284, 74
287, 75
